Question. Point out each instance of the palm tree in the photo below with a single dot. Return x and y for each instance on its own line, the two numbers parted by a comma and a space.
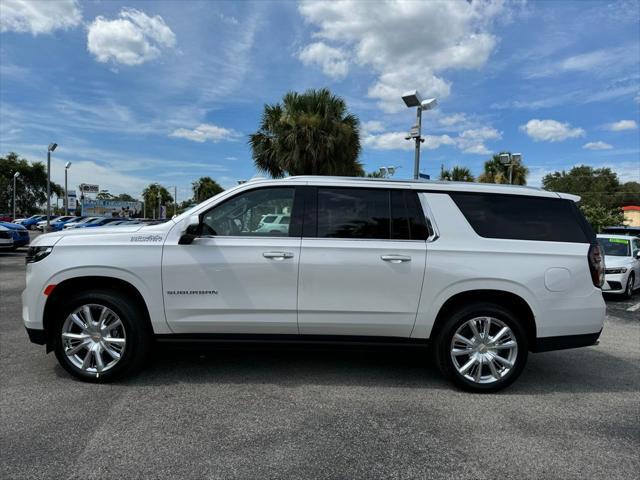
497, 172
308, 134
457, 174
205, 187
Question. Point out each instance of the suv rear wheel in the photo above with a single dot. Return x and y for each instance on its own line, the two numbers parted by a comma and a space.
481, 347
100, 336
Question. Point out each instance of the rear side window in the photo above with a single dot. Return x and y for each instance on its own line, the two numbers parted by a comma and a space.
522, 218
374, 213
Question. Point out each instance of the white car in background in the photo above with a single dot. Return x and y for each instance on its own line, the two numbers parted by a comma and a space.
6, 238
276, 223
622, 263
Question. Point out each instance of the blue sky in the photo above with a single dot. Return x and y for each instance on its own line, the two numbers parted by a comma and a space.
138, 92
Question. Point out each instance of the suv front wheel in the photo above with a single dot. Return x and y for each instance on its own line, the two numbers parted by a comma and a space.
100, 335
481, 347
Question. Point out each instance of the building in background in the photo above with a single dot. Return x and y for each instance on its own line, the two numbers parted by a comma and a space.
632, 215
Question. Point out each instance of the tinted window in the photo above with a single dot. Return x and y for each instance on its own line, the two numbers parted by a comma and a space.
246, 214
353, 213
615, 247
522, 218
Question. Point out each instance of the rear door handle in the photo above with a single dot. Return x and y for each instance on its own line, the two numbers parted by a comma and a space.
277, 255
396, 258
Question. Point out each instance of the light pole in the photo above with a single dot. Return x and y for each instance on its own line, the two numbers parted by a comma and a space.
15, 176
66, 192
50, 148
509, 160
414, 99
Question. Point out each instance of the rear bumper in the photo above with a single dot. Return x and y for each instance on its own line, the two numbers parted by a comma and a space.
37, 336
547, 344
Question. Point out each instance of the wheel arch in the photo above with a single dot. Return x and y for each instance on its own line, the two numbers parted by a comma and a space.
84, 283
510, 300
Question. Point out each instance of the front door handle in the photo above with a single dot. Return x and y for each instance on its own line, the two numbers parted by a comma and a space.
277, 255
395, 258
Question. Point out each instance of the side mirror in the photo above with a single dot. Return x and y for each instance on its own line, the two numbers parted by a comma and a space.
191, 231
638, 254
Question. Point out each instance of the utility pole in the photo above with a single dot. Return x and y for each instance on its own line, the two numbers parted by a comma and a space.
15, 176
414, 99
50, 148
175, 200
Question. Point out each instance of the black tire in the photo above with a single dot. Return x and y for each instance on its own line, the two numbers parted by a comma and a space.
628, 291
138, 335
443, 339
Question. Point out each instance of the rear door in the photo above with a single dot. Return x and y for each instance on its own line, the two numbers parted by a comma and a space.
362, 262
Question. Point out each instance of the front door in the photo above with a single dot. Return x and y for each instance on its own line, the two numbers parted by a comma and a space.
240, 275
362, 263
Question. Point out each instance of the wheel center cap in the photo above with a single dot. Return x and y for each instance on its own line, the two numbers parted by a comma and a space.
96, 337
482, 348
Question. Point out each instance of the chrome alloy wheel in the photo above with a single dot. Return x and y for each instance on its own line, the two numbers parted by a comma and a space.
93, 338
484, 350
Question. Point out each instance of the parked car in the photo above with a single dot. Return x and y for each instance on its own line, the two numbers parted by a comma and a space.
6, 238
79, 221
18, 232
41, 225
622, 263
482, 274
99, 222
60, 222
274, 224
623, 230
31, 222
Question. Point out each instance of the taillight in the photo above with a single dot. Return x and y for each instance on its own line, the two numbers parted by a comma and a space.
596, 264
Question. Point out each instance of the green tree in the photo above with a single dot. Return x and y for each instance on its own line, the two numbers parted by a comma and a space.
457, 174
599, 189
629, 193
596, 187
204, 188
497, 172
31, 185
308, 134
125, 197
150, 196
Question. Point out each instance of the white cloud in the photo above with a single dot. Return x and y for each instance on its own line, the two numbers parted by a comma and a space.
622, 125
204, 132
372, 126
469, 141
131, 39
408, 44
550, 130
38, 17
332, 61
599, 145
451, 120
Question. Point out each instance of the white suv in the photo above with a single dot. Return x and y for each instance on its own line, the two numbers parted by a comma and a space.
482, 273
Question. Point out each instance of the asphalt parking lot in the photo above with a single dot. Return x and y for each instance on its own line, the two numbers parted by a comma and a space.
210, 412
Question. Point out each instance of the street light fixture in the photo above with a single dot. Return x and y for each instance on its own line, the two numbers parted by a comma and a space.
15, 176
50, 148
66, 192
509, 160
414, 99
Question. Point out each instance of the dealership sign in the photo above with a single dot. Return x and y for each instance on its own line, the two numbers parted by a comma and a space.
88, 188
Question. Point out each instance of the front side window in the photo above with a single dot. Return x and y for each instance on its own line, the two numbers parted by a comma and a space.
253, 213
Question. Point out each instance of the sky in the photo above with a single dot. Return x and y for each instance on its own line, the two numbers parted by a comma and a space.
168, 91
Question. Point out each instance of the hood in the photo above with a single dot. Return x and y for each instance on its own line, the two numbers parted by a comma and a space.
614, 261
12, 226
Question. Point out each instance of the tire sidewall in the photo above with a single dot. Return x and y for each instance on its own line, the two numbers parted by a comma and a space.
445, 335
628, 292
132, 321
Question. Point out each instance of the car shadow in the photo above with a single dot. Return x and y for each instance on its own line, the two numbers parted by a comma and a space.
568, 371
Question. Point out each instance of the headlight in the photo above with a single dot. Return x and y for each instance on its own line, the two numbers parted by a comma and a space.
35, 254
616, 270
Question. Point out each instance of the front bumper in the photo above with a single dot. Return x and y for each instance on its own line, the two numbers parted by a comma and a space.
615, 282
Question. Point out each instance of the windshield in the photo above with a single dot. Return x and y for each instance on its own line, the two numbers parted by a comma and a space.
616, 247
